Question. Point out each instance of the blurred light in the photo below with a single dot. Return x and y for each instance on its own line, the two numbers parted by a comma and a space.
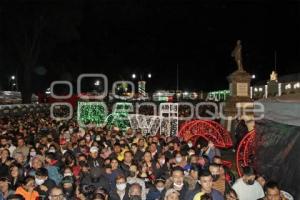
260, 89
97, 83
48, 91
133, 76
13, 77
185, 93
14, 84
297, 85
149, 75
255, 89
288, 86
253, 76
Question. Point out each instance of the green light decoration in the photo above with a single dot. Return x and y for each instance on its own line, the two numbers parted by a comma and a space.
119, 118
91, 113
95, 113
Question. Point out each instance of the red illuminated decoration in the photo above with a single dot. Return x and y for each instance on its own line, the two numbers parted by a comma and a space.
245, 151
210, 130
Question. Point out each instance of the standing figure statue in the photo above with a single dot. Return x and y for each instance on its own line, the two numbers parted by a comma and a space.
237, 54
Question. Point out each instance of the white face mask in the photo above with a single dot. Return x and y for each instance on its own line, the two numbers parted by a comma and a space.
178, 159
179, 186
68, 174
121, 186
98, 138
191, 153
162, 161
160, 188
39, 181
51, 151
32, 154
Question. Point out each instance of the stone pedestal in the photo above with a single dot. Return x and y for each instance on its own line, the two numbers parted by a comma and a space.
239, 86
272, 88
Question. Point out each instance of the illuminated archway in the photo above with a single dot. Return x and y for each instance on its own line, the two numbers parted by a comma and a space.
210, 130
245, 151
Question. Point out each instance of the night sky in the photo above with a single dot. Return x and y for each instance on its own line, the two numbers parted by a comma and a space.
120, 37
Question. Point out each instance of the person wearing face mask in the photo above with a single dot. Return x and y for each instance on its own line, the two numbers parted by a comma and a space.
219, 182
160, 168
68, 188
180, 160
170, 151
246, 187
176, 181
121, 191
94, 160
134, 179
206, 182
192, 177
43, 182
53, 167
157, 191
135, 192
88, 140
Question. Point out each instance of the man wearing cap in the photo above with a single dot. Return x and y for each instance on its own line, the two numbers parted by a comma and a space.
94, 160
158, 190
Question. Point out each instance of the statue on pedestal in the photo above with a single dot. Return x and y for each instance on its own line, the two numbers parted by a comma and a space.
237, 54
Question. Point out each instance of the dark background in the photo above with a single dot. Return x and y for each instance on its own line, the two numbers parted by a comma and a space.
118, 37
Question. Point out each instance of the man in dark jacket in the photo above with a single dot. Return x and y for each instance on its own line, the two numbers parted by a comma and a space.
127, 162
96, 178
178, 183
157, 191
94, 160
45, 184
122, 189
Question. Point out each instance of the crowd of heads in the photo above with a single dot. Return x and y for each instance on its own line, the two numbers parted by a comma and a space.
41, 158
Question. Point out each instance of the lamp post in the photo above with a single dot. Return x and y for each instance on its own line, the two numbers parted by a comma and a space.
13, 82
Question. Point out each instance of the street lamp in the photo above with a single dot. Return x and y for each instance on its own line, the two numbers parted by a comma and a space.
133, 76
253, 76
13, 77
149, 75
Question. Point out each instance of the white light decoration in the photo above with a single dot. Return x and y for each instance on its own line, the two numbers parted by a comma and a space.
297, 85
288, 86
169, 114
185, 93
260, 89
255, 89
279, 89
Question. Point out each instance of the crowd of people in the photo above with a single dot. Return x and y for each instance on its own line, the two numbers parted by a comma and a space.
41, 158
